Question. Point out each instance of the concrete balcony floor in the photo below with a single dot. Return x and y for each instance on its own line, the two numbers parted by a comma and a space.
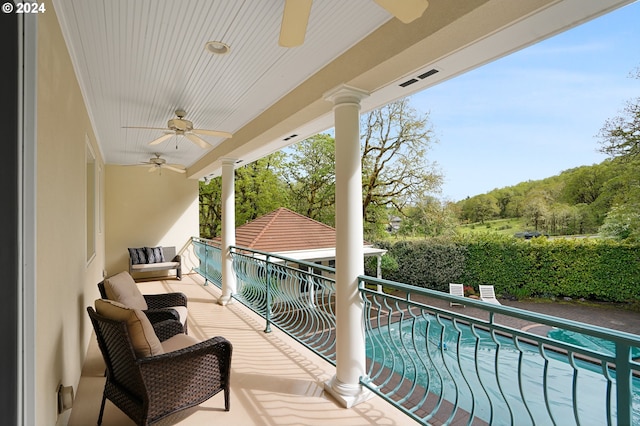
274, 379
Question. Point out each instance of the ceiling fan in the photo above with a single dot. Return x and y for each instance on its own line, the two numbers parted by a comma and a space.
158, 164
296, 16
179, 126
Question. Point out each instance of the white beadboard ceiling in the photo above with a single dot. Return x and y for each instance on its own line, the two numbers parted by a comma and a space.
138, 61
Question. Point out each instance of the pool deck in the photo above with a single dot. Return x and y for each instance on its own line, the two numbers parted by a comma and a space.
604, 315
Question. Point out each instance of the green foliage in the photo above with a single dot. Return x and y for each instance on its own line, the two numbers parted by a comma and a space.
396, 171
432, 263
429, 217
311, 179
388, 265
210, 208
258, 191
573, 202
622, 223
620, 136
593, 269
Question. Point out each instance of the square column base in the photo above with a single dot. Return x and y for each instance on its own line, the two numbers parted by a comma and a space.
225, 300
355, 395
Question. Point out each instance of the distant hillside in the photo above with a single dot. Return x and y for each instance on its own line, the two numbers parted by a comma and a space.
574, 202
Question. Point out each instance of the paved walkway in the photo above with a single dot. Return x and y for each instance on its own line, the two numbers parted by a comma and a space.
616, 317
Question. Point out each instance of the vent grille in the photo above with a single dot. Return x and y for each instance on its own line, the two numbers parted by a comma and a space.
290, 137
408, 82
421, 77
427, 74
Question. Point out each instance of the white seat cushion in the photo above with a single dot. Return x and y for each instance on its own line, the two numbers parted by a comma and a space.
143, 339
177, 342
123, 289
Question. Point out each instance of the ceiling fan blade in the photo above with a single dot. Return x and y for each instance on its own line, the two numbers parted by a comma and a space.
161, 139
175, 168
406, 11
294, 22
212, 133
197, 140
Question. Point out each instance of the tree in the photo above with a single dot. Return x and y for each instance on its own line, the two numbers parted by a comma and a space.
429, 218
622, 223
310, 176
396, 172
210, 208
620, 136
259, 188
536, 208
480, 208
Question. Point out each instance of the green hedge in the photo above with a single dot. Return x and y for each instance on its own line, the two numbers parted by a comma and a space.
593, 269
428, 263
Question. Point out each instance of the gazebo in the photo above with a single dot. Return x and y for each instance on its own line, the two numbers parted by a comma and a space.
290, 234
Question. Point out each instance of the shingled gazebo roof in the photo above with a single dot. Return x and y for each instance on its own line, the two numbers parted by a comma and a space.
285, 230
291, 234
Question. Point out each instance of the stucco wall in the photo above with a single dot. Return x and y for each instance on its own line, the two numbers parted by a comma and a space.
65, 282
147, 209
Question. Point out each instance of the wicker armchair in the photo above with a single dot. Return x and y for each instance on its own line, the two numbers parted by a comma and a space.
151, 388
159, 306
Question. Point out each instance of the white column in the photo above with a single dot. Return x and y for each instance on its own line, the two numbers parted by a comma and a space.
228, 230
350, 345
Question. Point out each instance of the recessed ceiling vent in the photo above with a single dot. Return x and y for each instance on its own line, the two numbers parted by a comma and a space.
418, 78
427, 74
290, 137
408, 82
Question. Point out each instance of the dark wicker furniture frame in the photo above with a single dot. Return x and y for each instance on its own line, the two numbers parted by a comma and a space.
152, 388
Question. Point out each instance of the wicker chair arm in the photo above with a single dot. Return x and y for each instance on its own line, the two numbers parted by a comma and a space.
165, 300
157, 315
167, 329
218, 346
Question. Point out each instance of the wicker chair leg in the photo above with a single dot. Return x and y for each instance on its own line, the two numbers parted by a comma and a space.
104, 399
226, 399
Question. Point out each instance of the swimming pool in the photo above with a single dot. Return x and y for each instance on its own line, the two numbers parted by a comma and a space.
588, 342
492, 375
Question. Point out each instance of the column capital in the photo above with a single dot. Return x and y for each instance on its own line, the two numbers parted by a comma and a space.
345, 94
227, 161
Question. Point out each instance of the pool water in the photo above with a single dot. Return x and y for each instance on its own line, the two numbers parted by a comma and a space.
588, 342
450, 369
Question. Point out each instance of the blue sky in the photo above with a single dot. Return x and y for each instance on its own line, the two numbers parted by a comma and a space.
537, 112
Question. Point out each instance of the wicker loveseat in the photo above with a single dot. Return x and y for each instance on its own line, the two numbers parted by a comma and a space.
153, 259
148, 388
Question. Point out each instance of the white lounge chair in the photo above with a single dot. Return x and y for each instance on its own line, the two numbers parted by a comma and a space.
487, 294
456, 290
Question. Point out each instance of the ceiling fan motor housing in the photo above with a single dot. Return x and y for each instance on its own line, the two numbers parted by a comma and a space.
180, 124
